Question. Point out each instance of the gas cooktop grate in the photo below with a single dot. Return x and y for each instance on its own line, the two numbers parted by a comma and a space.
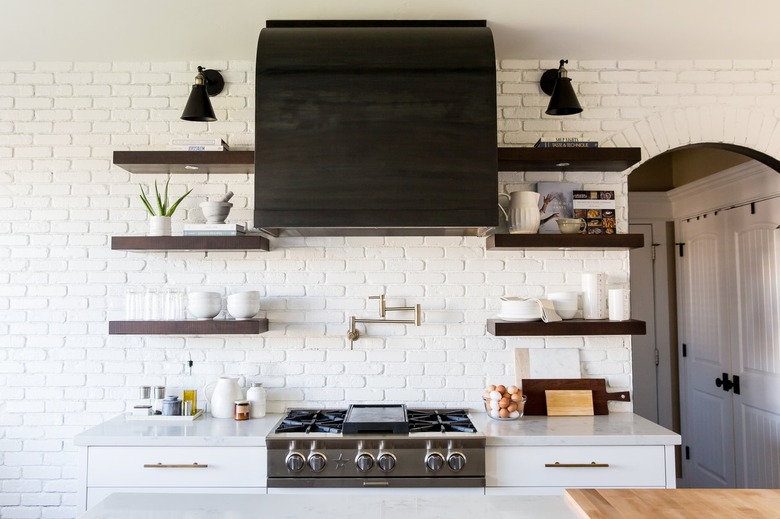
446, 420
332, 421
312, 420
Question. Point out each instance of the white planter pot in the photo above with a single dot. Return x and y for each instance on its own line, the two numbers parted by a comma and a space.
160, 226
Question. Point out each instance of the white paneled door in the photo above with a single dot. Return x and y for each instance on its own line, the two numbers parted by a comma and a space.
730, 306
707, 414
754, 235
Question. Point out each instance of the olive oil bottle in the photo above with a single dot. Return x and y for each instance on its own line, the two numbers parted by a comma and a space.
189, 393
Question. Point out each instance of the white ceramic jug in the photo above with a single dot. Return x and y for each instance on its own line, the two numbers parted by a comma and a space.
226, 391
523, 215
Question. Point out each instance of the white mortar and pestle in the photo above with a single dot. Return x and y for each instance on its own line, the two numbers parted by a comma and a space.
217, 211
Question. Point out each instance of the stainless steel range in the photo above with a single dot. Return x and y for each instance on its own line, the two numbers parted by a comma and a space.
375, 446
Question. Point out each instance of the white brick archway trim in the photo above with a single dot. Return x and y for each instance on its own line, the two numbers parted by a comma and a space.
664, 131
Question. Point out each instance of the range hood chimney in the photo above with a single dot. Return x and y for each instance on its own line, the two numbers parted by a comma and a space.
375, 128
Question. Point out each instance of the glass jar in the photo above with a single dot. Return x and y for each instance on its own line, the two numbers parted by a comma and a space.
256, 396
241, 410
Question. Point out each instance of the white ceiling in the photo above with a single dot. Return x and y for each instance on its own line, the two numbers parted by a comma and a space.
162, 30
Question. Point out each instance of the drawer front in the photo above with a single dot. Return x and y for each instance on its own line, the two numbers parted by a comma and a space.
576, 466
176, 467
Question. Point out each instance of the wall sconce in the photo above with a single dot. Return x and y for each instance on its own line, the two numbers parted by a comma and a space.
557, 84
198, 108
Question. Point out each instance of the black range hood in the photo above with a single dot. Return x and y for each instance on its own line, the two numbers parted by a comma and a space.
375, 128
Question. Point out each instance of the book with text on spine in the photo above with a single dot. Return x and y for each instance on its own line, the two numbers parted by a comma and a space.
566, 144
230, 227
198, 141
195, 147
213, 233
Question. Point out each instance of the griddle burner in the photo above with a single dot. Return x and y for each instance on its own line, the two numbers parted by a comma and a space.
423, 420
309, 420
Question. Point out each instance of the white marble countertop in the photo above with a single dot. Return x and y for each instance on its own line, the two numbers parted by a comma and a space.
213, 506
204, 431
612, 429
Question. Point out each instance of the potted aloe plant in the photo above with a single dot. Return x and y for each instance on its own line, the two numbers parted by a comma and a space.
161, 211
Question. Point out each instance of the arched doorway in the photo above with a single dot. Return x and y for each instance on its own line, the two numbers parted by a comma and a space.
707, 414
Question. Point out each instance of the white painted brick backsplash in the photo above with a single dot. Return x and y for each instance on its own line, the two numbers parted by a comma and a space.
61, 199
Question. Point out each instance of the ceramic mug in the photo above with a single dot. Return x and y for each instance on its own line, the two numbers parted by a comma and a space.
571, 225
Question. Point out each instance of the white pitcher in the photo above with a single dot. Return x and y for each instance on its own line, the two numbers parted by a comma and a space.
226, 391
523, 215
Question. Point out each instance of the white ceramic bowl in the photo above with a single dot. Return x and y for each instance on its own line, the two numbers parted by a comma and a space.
249, 296
243, 309
517, 305
199, 296
204, 309
215, 212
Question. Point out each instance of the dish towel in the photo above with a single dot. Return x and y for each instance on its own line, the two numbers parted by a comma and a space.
549, 315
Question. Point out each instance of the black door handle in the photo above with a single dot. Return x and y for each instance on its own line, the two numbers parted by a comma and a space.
725, 384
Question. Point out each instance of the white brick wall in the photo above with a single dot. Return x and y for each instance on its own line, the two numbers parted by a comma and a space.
61, 200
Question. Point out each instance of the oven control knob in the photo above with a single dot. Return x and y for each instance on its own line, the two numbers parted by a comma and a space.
295, 462
386, 462
434, 461
364, 462
317, 462
456, 461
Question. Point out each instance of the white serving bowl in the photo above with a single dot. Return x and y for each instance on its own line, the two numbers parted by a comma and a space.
518, 305
566, 312
204, 309
215, 212
243, 309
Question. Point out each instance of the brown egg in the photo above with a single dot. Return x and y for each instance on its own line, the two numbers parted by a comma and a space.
503, 413
512, 408
516, 397
491, 387
504, 402
501, 388
512, 389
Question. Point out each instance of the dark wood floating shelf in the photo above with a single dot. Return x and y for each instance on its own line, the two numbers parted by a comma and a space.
174, 243
501, 328
564, 241
188, 162
188, 327
567, 159
509, 159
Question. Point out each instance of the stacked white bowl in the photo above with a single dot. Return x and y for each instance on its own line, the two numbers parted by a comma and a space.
519, 309
244, 305
204, 305
565, 303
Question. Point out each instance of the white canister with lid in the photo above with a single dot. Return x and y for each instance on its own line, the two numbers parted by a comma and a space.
256, 396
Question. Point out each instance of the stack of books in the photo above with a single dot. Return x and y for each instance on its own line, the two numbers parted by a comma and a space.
214, 229
598, 210
566, 142
197, 144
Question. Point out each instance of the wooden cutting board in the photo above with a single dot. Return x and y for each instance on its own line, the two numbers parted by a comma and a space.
684, 503
562, 402
535, 388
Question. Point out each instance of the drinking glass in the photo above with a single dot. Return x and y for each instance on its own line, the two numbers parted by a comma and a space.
134, 304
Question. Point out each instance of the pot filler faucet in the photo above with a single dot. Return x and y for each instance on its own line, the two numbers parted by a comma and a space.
354, 335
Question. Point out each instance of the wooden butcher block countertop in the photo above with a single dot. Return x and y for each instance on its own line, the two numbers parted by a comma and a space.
693, 503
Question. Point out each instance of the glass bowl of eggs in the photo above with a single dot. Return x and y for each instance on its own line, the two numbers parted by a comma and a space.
504, 402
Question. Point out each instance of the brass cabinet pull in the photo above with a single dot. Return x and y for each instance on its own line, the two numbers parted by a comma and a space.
592, 464
174, 466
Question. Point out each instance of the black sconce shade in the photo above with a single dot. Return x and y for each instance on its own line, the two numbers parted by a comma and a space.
557, 84
198, 107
